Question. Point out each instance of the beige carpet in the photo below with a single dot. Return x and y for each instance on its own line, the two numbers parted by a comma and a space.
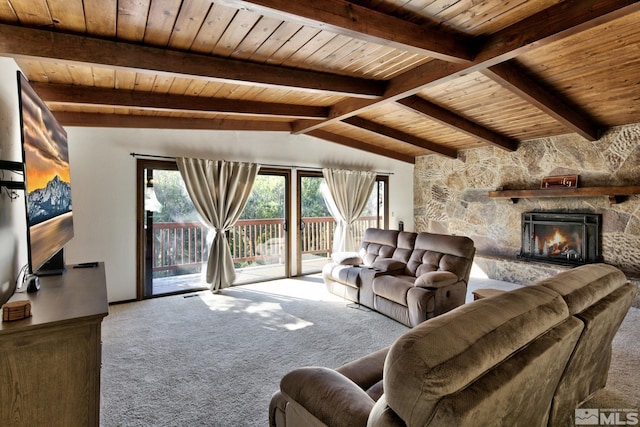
215, 360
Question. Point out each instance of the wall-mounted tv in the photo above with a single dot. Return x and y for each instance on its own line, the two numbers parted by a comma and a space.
47, 181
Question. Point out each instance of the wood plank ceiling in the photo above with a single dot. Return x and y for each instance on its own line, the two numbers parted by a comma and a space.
399, 78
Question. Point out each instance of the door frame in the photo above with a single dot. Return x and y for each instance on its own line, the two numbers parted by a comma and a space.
298, 226
308, 173
292, 239
286, 174
141, 166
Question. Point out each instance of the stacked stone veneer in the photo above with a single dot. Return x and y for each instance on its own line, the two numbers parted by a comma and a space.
451, 196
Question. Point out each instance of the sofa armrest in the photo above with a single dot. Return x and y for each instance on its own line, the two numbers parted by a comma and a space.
367, 274
328, 395
277, 408
388, 265
367, 370
436, 279
346, 258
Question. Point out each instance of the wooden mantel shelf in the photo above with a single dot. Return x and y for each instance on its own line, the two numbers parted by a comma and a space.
615, 194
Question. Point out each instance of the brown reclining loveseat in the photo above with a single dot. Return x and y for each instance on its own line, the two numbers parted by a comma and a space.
410, 277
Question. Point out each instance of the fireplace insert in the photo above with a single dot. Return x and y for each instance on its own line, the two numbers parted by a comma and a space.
561, 238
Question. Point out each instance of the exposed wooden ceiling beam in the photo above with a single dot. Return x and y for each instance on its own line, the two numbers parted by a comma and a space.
492, 58
337, 112
82, 95
454, 121
400, 87
164, 122
513, 78
349, 19
564, 19
359, 145
19, 42
401, 136
539, 30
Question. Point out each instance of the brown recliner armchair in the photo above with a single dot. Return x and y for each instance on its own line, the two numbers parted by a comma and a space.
527, 357
496, 361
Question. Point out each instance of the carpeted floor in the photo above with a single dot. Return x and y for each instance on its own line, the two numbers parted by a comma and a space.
215, 360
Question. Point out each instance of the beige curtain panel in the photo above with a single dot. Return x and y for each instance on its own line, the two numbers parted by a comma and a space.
348, 193
219, 191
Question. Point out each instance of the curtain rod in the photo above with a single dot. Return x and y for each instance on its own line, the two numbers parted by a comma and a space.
156, 156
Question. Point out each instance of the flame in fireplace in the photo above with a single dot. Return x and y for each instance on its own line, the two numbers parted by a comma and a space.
557, 239
557, 243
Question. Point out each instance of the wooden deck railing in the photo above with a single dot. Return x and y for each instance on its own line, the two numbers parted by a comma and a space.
182, 245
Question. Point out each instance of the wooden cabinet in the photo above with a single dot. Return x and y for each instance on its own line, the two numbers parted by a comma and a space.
50, 362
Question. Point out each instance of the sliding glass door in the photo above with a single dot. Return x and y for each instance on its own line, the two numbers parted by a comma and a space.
259, 240
175, 248
316, 225
172, 241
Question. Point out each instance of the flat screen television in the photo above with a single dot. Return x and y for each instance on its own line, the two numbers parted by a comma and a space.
47, 183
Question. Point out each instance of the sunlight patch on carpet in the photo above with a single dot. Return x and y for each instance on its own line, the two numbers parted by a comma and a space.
218, 302
294, 288
267, 314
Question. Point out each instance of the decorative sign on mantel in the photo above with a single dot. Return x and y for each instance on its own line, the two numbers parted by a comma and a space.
564, 181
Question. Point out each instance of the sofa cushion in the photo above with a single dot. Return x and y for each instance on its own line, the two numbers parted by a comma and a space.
422, 261
393, 288
343, 274
436, 279
517, 391
389, 265
381, 237
406, 240
433, 252
418, 371
377, 243
459, 246
404, 249
583, 286
366, 371
588, 369
369, 252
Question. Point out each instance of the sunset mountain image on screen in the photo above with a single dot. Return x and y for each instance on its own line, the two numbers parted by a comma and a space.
47, 178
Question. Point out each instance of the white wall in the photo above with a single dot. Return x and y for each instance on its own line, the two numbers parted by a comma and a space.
103, 183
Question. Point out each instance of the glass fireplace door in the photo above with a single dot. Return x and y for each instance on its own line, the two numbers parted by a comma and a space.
559, 237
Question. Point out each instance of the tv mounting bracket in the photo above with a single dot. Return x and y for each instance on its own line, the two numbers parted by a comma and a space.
17, 167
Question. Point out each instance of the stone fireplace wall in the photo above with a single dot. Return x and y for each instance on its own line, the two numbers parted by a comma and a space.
451, 196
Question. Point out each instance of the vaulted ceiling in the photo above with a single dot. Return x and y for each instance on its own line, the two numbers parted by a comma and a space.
399, 78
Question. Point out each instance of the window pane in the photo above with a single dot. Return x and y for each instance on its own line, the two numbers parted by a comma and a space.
317, 225
179, 237
258, 240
